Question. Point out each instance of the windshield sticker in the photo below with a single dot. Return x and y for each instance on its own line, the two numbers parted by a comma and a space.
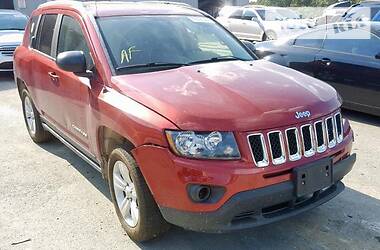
126, 55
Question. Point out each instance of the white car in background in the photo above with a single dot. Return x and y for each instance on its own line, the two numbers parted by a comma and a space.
333, 13
260, 23
338, 8
12, 25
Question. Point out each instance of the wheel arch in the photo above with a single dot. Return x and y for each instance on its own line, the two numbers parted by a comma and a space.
108, 140
20, 85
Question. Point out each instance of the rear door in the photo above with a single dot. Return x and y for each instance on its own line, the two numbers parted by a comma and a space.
251, 28
234, 23
43, 63
348, 62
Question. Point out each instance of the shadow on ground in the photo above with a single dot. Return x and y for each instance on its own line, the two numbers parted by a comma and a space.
341, 223
361, 117
337, 224
93, 176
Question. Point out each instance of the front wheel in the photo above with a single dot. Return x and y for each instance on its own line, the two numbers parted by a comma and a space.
135, 207
33, 120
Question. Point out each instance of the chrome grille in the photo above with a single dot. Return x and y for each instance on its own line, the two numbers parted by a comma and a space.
339, 127
7, 51
331, 142
320, 136
303, 141
277, 149
258, 149
307, 140
293, 145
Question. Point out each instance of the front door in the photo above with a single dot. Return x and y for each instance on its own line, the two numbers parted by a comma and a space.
74, 91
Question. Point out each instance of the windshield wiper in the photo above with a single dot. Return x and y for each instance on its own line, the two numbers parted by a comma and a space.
219, 59
152, 65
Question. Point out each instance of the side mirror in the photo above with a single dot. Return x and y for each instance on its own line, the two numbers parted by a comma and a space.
73, 61
377, 56
249, 45
254, 19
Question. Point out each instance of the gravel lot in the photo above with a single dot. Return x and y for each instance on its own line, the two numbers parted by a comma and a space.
50, 198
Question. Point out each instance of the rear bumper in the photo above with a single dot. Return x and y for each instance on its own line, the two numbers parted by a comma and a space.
6, 63
260, 206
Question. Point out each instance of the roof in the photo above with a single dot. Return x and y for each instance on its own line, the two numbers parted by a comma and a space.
117, 8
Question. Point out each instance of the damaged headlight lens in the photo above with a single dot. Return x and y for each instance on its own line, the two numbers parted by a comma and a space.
204, 145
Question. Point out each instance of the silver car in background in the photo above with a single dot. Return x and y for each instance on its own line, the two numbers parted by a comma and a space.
12, 25
260, 23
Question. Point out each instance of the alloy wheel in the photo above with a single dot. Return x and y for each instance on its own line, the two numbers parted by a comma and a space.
29, 115
125, 193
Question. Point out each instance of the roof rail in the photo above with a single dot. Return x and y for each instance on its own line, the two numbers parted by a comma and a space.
78, 3
168, 2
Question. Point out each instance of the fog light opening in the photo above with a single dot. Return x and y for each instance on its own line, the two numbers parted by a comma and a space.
200, 193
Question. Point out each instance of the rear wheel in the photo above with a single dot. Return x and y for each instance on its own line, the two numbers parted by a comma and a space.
33, 119
269, 35
135, 207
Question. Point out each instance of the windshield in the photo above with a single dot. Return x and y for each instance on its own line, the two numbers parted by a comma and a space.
288, 14
361, 13
12, 22
376, 18
164, 40
270, 15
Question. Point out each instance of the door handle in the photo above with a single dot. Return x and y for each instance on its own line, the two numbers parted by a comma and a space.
53, 76
325, 61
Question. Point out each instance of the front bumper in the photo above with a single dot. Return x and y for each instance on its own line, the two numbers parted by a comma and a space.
6, 63
260, 206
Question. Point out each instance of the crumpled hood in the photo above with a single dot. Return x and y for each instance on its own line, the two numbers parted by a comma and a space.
230, 96
11, 37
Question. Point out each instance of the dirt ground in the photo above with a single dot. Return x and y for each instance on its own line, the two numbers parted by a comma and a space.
51, 199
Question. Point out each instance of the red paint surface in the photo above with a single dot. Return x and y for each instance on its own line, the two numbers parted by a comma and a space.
241, 97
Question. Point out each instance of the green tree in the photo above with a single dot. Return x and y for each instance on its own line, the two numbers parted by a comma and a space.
299, 3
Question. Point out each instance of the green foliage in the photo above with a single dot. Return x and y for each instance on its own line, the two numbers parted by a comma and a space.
299, 3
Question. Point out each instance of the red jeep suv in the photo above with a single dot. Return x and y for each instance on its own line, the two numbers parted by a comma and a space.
183, 122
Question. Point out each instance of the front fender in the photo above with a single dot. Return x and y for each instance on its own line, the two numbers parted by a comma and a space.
132, 120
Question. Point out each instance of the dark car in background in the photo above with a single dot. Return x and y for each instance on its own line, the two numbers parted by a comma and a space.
363, 11
376, 18
345, 55
12, 25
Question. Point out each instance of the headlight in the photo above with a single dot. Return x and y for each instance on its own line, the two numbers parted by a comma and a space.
204, 145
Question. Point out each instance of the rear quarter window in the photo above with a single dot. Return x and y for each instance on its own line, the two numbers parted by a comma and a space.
32, 30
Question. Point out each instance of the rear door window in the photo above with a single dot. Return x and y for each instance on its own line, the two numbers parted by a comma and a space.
45, 33
312, 40
71, 38
353, 41
237, 14
249, 15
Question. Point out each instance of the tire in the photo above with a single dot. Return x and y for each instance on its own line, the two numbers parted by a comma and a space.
33, 120
149, 224
269, 36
